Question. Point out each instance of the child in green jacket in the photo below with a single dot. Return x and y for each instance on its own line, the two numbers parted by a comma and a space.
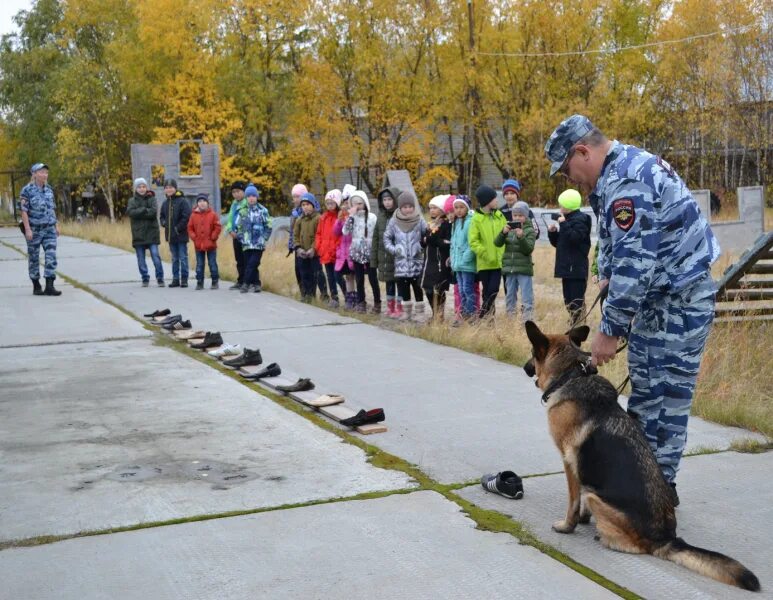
487, 222
518, 239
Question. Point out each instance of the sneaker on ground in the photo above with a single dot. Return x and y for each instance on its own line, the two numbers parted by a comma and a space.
505, 483
226, 350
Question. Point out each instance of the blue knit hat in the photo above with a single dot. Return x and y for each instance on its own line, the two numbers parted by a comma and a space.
512, 184
251, 191
311, 199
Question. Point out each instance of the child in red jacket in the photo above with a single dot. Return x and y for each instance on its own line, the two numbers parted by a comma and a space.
204, 229
326, 243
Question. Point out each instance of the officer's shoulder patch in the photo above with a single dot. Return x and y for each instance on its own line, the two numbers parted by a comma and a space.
623, 212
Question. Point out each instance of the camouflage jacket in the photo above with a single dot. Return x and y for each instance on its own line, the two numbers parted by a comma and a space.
653, 239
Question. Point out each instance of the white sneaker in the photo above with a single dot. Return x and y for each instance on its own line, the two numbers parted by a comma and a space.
226, 350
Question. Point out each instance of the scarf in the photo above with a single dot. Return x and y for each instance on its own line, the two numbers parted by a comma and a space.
406, 224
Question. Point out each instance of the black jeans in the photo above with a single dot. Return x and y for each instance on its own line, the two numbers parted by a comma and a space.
319, 276
574, 297
489, 283
308, 268
339, 275
239, 256
404, 285
359, 280
251, 264
391, 290
374, 285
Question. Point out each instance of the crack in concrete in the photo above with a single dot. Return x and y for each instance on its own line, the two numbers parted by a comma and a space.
84, 341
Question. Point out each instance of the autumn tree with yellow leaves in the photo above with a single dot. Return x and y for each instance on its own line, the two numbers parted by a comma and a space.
457, 92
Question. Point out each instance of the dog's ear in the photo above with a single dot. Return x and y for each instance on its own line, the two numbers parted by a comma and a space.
539, 340
579, 334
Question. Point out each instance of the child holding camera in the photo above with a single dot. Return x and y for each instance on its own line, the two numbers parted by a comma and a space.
518, 238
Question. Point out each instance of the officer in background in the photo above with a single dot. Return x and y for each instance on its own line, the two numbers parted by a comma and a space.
655, 255
38, 214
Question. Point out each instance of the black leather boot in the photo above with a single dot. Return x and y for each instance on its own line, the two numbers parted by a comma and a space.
50, 290
36, 289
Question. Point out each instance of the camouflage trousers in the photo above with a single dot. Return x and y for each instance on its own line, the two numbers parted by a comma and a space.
665, 347
42, 236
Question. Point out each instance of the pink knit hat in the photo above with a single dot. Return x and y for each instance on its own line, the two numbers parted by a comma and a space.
299, 189
448, 207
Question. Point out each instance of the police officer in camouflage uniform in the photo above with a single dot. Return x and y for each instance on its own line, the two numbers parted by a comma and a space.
655, 255
38, 214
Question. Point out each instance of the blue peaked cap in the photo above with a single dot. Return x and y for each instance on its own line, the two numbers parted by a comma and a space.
567, 134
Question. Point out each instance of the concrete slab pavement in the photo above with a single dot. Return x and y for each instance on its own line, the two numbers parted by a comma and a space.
415, 546
726, 506
87, 428
78, 315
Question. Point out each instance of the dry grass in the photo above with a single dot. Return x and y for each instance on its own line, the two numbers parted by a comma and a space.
735, 386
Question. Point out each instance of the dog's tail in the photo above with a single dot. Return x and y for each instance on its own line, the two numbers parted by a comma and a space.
709, 563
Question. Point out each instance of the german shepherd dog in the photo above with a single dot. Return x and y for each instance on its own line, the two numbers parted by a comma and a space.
610, 468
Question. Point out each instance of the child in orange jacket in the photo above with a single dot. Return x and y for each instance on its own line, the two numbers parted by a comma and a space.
204, 229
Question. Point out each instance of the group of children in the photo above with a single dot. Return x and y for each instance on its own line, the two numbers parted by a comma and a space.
348, 242
414, 257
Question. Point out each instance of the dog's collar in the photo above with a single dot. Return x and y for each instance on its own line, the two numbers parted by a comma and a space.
581, 368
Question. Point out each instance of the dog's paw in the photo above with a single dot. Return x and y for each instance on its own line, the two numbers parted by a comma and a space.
584, 518
563, 527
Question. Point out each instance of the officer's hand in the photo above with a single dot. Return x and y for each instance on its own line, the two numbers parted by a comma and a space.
603, 283
28, 234
602, 349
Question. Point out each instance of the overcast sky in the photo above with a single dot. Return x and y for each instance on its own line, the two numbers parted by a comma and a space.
8, 8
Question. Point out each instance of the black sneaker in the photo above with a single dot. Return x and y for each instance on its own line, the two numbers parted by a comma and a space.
215, 286
506, 484
169, 320
210, 340
160, 283
236, 286
199, 285
145, 283
364, 417
170, 326
175, 283
180, 325
161, 312
184, 283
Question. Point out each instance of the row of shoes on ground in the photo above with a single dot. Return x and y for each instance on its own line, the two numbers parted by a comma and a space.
248, 357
